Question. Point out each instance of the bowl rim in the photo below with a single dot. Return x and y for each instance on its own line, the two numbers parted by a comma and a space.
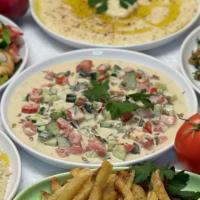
84, 44
18, 163
26, 51
69, 164
181, 55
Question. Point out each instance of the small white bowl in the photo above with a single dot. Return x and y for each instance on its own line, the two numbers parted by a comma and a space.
23, 51
106, 54
189, 45
140, 47
7, 146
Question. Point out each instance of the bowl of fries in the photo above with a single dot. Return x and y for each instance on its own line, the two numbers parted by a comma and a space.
145, 181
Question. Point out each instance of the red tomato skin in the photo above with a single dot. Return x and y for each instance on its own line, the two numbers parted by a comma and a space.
14, 9
30, 108
62, 80
187, 144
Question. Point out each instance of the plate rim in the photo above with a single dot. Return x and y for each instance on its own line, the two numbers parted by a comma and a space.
139, 47
18, 159
69, 164
26, 52
67, 174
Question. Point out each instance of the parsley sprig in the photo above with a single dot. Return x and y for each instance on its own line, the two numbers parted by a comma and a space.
101, 6
174, 181
99, 92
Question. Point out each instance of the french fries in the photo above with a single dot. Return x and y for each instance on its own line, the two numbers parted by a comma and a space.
103, 184
158, 186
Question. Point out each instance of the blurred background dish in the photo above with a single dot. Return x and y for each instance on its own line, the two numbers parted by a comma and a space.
13, 51
11, 156
139, 30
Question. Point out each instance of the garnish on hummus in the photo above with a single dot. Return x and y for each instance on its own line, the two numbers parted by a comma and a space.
116, 22
4, 174
101, 110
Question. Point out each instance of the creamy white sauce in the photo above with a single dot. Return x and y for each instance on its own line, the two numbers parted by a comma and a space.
116, 10
36, 80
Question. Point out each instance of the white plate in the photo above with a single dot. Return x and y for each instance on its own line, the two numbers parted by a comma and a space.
23, 51
96, 54
7, 146
83, 44
189, 45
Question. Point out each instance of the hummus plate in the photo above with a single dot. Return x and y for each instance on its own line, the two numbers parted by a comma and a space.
14, 104
14, 163
149, 24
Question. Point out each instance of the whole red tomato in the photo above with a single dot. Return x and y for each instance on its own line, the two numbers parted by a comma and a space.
13, 9
187, 143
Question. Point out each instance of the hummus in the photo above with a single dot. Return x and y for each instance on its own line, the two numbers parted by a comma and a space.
4, 174
144, 22
92, 110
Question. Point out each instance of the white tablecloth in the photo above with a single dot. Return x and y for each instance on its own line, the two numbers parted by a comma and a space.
43, 47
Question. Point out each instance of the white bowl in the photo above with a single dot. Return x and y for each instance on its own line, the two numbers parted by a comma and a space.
7, 146
187, 47
23, 51
139, 47
96, 54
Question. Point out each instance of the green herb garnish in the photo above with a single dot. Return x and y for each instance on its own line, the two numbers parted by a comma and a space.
127, 3
5, 39
174, 181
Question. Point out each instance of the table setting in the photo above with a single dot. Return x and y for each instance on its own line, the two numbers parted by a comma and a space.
50, 63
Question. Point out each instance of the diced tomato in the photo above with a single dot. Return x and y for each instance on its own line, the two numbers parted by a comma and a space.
63, 124
168, 120
50, 75
61, 152
103, 68
29, 128
35, 95
62, 80
158, 99
80, 101
75, 150
30, 108
147, 127
129, 147
14, 52
152, 90
96, 146
102, 77
75, 138
14, 32
158, 127
126, 117
147, 143
85, 65
162, 139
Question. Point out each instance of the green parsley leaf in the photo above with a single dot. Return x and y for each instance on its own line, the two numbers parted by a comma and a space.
5, 39
127, 3
142, 97
98, 91
100, 5
118, 108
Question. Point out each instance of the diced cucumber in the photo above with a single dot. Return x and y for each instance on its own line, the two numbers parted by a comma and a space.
41, 128
168, 109
130, 80
119, 152
111, 124
136, 149
160, 86
107, 115
91, 154
52, 142
71, 98
57, 114
53, 90
52, 128
157, 109
75, 124
89, 108
44, 136
50, 98
63, 142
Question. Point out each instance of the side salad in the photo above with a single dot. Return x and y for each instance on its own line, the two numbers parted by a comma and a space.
9, 51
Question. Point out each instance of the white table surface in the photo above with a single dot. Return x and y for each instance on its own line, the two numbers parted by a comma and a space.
43, 47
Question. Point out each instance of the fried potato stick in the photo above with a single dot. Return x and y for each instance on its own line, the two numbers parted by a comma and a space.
84, 193
158, 186
101, 179
109, 192
55, 185
138, 192
152, 196
70, 189
123, 189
